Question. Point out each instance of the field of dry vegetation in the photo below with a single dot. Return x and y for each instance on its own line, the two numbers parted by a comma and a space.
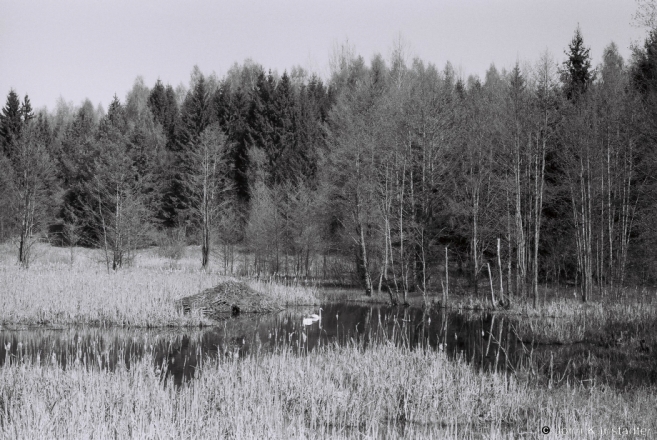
55, 292
341, 392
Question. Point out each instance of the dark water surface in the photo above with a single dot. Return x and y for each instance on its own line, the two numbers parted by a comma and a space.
487, 341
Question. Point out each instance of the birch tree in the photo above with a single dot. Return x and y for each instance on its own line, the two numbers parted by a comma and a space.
28, 182
351, 165
206, 183
540, 144
579, 160
116, 198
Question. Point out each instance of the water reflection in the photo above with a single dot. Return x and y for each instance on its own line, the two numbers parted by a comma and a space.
488, 341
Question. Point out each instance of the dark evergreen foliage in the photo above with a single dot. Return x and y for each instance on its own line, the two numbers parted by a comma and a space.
196, 114
644, 71
233, 111
11, 121
164, 107
385, 165
26, 110
577, 74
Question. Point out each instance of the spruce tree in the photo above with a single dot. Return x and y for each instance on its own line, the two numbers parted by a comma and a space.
163, 105
116, 194
43, 129
196, 114
241, 139
75, 168
576, 73
11, 122
284, 157
116, 118
261, 114
644, 69
26, 110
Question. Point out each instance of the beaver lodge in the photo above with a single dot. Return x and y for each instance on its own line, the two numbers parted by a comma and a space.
229, 298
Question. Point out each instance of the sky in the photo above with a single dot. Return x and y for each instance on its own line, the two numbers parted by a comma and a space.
96, 48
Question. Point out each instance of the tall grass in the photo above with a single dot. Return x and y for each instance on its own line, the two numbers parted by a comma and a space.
54, 292
568, 321
339, 392
133, 296
289, 295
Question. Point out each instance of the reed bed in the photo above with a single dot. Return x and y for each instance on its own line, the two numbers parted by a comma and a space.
56, 293
566, 322
342, 392
633, 308
289, 295
558, 320
130, 297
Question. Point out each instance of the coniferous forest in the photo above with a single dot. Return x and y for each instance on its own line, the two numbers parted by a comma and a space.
381, 175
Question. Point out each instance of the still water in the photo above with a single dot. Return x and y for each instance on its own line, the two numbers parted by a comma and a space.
488, 342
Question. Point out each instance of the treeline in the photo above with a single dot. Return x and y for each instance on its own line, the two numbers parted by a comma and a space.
542, 174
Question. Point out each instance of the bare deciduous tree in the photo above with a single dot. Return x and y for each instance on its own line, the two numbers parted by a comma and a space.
205, 183
28, 181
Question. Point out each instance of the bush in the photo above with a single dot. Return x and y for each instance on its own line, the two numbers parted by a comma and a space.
171, 244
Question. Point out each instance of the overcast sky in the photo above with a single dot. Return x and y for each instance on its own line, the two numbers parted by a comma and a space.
94, 49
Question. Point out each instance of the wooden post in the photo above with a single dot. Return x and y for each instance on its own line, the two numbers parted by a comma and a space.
492, 292
499, 264
446, 289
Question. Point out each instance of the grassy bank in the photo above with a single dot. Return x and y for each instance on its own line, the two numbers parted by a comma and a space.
57, 293
341, 392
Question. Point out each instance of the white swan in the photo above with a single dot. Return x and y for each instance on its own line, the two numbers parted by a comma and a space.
316, 317
313, 318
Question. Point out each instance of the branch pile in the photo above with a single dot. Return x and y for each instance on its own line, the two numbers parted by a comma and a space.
229, 298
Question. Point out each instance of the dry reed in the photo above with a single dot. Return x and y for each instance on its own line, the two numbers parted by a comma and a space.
343, 392
56, 293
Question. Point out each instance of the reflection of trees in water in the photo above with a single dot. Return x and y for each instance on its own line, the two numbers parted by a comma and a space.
487, 342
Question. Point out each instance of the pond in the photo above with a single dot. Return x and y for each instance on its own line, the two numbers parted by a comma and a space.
489, 342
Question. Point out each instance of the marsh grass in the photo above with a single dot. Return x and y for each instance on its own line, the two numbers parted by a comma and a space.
130, 297
627, 319
605, 322
288, 295
54, 292
342, 392
347, 392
